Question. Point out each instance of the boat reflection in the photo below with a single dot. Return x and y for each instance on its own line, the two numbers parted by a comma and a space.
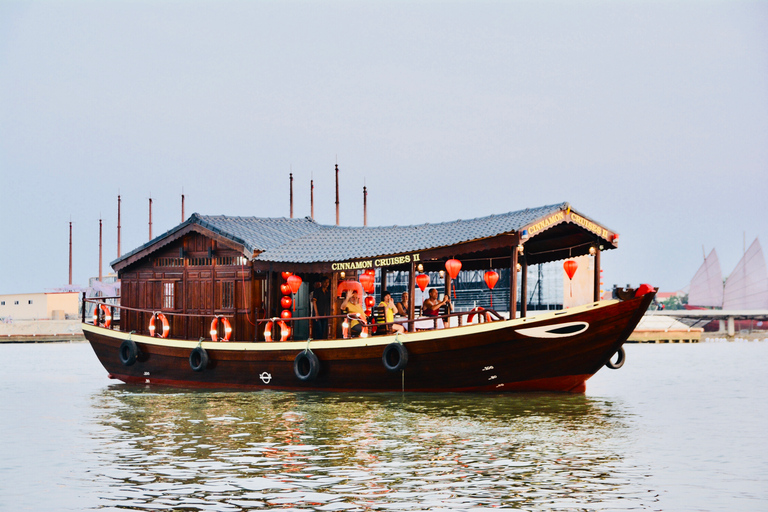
231, 451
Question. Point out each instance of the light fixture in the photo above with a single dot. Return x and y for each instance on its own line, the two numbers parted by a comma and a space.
592, 250
520, 249
442, 274
420, 267
519, 267
342, 274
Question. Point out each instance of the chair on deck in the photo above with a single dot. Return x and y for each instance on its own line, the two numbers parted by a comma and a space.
379, 316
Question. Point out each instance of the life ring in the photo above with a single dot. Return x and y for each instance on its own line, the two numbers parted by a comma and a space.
129, 352
478, 310
215, 329
285, 331
166, 325
350, 285
198, 359
306, 366
107, 316
619, 361
395, 357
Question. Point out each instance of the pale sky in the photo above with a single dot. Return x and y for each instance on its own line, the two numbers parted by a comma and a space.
649, 117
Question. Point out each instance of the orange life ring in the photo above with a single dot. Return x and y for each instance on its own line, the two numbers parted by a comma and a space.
478, 310
166, 325
107, 316
215, 329
285, 331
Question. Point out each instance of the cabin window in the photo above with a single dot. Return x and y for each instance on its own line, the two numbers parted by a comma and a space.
30, 301
228, 295
2, 303
168, 295
15, 303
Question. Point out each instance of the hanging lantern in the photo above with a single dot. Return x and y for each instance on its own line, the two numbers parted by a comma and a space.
453, 266
368, 282
570, 267
294, 282
285, 289
286, 313
422, 280
371, 271
286, 275
369, 302
286, 302
491, 278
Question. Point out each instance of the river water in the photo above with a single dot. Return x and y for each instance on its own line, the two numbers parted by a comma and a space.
679, 427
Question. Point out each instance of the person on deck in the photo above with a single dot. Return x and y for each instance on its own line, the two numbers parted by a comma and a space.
351, 306
389, 312
321, 299
431, 306
402, 306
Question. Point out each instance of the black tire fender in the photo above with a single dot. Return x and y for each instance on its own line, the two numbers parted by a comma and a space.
198, 359
128, 352
619, 361
395, 357
306, 366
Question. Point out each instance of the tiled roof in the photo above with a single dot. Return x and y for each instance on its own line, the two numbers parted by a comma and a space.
305, 241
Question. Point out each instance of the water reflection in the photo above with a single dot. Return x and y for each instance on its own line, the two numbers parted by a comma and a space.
165, 449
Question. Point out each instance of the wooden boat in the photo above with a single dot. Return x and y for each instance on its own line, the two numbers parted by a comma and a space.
181, 290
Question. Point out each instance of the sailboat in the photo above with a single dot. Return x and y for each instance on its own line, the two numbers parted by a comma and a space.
706, 289
747, 286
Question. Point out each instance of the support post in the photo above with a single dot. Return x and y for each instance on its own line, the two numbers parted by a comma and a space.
524, 288
412, 295
513, 284
597, 275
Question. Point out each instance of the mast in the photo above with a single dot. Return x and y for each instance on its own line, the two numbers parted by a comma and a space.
365, 206
100, 249
312, 198
118, 225
182, 205
70, 253
291, 178
337, 194
150, 217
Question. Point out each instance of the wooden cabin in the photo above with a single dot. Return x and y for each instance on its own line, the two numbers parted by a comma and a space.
232, 266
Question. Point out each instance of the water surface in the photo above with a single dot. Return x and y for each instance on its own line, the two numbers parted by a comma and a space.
679, 427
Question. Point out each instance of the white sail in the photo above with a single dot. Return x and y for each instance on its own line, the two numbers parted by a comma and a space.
747, 286
706, 288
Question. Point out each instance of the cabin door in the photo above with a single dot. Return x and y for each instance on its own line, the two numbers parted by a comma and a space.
301, 328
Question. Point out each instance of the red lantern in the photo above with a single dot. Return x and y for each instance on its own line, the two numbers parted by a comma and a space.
295, 283
285, 289
453, 266
369, 302
422, 280
371, 272
286, 313
286, 275
491, 277
286, 302
570, 267
367, 280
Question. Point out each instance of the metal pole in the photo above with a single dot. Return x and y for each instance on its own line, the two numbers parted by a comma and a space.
337, 194
70, 252
291, 179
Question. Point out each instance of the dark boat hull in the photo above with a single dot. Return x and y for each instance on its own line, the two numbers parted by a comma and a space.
552, 352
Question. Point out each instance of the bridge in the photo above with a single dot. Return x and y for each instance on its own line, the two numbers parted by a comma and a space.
727, 317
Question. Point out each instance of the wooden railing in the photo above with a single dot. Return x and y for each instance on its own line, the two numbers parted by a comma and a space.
410, 324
